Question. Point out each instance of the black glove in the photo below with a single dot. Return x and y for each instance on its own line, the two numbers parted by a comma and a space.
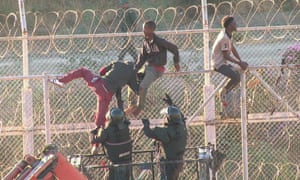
93, 135
94, 131
140, 76
217, 158
146, 122
168, 100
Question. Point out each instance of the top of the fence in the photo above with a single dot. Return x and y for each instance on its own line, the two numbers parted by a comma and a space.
250, 68
266, 13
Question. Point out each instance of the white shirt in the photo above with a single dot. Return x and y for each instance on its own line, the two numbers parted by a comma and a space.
222, 43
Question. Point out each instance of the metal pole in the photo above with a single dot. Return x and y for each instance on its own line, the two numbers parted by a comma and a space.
207, 64
24, 42
244, 120
27, 105
209, 109
47, 110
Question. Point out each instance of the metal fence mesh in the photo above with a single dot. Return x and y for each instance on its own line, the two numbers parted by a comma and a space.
62, 41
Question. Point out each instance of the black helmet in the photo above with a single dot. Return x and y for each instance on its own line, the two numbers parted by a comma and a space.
173, 115
115, 116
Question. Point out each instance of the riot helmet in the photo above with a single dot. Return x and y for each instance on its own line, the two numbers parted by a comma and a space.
115, 116
173, 114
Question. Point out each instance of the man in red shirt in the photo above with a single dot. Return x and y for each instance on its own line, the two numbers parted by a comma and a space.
111, 80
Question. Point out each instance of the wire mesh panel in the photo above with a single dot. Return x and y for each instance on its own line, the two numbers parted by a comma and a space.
61, 41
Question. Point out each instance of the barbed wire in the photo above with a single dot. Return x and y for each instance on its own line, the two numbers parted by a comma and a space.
74, 22
90, 21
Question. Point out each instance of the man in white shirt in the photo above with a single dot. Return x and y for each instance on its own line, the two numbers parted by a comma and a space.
225, 63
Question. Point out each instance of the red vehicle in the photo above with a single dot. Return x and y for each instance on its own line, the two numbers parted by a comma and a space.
52, 164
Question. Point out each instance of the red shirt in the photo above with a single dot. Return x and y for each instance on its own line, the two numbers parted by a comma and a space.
160, 69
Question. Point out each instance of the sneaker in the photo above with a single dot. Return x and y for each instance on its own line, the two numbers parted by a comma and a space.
57, 82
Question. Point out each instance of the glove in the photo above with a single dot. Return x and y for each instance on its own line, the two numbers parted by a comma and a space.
146, 122
94, 131
120, 105
93, 135
168, 100
140, 76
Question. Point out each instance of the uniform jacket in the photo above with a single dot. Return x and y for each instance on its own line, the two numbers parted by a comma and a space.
173, 138
117, 143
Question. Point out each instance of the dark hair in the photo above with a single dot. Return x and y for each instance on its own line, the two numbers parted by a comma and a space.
150, 24
226, 21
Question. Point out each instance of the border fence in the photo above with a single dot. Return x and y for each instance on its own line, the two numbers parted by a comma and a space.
260, 133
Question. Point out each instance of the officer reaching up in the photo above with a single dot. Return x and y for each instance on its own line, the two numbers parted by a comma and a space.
173, 138
116, 140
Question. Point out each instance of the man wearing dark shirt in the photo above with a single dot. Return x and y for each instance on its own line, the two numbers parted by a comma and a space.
153, 58
113, 77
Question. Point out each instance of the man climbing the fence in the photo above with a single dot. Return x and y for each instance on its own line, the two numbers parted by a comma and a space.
224, 62
110, 81
116, 140
172, 137
154, 58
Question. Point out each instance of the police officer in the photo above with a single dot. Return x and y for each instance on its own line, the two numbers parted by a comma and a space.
173, 138
116, 140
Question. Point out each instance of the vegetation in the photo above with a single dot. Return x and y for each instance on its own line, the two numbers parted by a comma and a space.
6, 6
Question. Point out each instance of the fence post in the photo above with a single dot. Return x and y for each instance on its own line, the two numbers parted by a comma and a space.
28, 125
209, 109
47, 109
27, 105
244, 120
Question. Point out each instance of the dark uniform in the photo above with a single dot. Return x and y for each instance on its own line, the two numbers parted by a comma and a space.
173, 138
116, 140
129, 18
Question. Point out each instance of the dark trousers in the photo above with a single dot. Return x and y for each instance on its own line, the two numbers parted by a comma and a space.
121, 172
234, 76
170, 171
103, 95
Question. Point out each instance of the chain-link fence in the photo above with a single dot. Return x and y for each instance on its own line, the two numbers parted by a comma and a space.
61, 41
